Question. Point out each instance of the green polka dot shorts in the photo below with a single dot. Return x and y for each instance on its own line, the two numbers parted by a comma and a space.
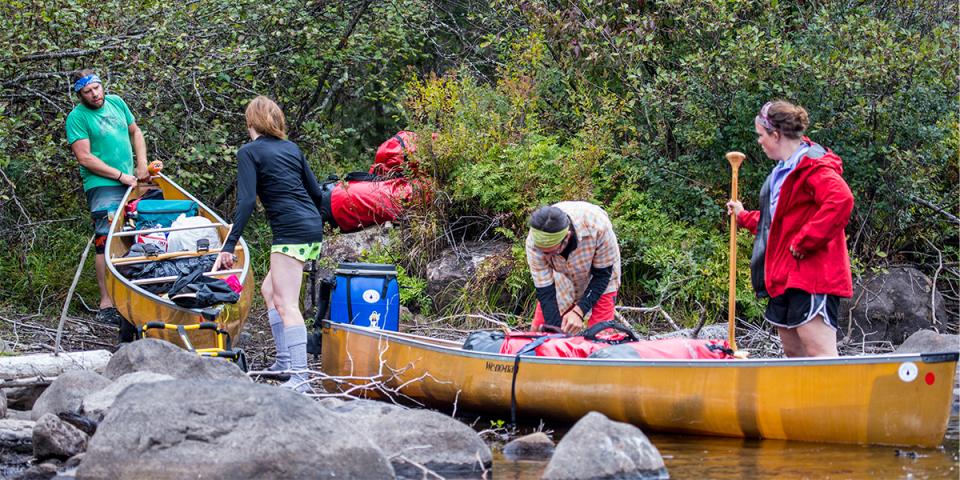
303, 252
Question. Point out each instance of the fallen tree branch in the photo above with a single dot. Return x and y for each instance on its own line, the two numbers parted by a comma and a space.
27, 382
935, 208
657, 309
50, 365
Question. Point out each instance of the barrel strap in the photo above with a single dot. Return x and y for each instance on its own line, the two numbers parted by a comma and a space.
386, 285
350, 318
525, 350
403, 147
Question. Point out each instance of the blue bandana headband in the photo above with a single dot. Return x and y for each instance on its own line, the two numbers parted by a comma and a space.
83, 82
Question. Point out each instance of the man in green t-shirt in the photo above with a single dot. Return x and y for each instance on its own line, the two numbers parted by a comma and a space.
103, 135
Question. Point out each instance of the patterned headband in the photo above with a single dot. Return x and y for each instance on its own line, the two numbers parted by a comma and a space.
87, 80
763, 117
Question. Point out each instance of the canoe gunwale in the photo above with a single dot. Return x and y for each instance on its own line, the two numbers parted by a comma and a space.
167, 303
454, 348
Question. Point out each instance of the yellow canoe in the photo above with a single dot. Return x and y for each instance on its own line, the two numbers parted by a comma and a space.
139, 306
900, 399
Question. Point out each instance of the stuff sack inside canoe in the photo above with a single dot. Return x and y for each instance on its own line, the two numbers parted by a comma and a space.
675, 348
560, 345
596, 342
162, 213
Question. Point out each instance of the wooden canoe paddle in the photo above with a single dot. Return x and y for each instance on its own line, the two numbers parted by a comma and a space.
735, 159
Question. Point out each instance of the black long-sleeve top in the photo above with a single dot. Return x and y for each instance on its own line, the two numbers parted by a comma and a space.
277, 172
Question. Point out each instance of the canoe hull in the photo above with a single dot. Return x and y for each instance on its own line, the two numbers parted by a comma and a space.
139, 306
859, 400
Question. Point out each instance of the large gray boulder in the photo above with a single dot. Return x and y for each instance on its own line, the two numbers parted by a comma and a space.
891, 306
928, 341
599, 448
158, 356
66, 393
412, 437
350, 247
3, 404
54, 438
471, 265
225, 429
95, 405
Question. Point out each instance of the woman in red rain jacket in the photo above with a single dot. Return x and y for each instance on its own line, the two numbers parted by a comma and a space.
800, 258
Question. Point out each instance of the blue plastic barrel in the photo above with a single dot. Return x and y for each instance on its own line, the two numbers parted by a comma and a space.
366, 294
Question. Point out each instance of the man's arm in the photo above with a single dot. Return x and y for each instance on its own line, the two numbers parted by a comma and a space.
139, 150
81, 150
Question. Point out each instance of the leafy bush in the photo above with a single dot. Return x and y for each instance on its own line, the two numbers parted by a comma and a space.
631, 105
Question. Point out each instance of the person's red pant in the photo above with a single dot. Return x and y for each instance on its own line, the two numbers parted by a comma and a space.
602, 312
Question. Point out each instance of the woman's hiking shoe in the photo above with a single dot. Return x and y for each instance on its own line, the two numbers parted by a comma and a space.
109, 316
298, 383
277, 371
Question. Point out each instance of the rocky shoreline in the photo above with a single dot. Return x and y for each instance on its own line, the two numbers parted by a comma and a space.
156, 411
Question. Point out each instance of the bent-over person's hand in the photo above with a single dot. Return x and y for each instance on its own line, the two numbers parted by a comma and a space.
572, 322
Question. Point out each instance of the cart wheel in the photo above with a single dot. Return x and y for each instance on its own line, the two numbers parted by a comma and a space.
242, 360
128, 332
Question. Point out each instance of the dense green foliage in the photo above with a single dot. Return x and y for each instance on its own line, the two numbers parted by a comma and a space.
628, 104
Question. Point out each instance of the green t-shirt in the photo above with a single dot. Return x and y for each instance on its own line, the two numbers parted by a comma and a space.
106, 128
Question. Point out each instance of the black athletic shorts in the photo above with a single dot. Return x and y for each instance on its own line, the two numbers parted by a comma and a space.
103, 202
797, 307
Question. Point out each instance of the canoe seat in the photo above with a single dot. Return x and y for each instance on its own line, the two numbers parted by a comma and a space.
151, 281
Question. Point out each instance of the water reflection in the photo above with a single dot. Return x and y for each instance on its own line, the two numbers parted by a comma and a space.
729, 458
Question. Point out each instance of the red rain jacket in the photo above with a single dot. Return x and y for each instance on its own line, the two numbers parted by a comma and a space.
813, 210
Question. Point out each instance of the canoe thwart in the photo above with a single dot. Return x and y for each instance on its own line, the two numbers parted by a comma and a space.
131, 233
151, 281
164, 256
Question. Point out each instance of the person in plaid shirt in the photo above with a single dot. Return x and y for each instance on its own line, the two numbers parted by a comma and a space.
575, 263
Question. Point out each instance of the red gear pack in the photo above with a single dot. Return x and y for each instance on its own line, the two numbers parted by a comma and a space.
363, 199
394, 157
551, 345
672, 348
598, 342
355, 205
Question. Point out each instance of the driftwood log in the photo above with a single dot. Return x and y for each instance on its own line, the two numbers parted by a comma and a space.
46, 365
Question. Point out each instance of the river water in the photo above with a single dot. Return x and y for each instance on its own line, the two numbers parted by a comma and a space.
691, 457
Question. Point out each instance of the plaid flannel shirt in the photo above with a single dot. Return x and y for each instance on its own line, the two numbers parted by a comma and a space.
596, 247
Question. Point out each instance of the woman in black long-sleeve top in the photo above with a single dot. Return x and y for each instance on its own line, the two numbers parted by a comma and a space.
275, 169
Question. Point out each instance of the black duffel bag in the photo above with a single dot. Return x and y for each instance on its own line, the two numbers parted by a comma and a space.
161, 268
488, 341
196, 290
